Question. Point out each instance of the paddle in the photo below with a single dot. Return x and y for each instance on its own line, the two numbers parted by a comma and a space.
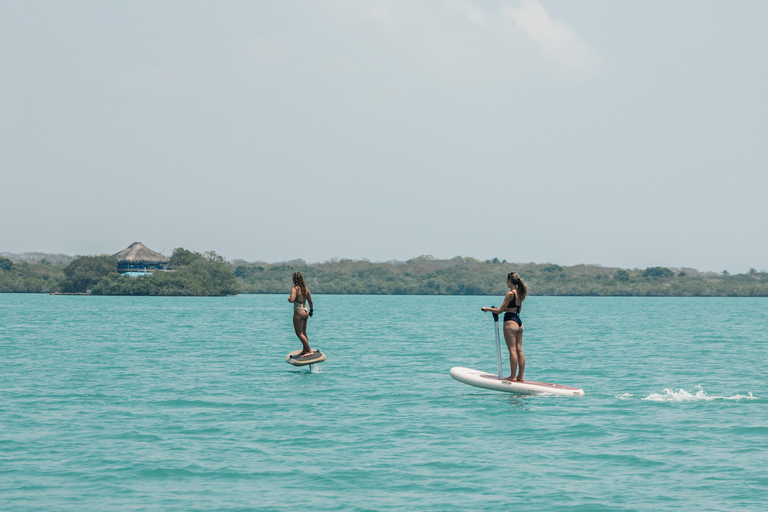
498, 343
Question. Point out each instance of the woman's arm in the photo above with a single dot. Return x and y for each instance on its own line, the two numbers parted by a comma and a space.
293, 295
309, 300
507, 298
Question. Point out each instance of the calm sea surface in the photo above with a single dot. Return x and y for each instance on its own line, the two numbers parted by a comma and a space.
184, 404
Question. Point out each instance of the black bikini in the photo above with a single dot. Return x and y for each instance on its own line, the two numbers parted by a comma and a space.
512, 316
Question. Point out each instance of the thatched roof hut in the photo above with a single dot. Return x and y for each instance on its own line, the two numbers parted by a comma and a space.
139, 254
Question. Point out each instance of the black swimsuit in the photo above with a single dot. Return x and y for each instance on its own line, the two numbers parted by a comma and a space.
512, 316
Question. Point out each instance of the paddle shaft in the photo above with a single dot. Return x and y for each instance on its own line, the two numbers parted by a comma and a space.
498, 344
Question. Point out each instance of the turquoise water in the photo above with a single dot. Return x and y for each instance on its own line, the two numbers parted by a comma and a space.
151, 403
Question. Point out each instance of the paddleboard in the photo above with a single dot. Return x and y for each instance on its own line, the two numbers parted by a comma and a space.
529, 387
316, 357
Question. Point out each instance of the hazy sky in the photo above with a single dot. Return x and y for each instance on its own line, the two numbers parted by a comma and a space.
629, 134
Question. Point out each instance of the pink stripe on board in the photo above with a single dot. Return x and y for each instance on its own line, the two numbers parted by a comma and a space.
531, 382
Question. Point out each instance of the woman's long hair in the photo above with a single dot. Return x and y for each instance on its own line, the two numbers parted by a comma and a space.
522, 289
298, 280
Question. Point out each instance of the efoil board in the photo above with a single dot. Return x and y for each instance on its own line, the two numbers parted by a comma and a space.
529, 387
316, 357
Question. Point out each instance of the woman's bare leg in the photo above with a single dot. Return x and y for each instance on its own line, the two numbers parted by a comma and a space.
300, 326
510, 338
519, 352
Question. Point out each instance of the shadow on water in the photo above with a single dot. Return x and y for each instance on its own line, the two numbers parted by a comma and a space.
515, 401
306, 371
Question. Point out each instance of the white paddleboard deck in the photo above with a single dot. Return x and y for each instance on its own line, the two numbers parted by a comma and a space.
528, 387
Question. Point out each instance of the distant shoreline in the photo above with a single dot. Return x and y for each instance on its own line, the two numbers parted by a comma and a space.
60, 294
424, 275
65, 259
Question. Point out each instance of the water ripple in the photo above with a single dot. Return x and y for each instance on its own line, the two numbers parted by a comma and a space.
137, 403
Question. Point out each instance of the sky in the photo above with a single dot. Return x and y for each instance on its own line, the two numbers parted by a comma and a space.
627, 134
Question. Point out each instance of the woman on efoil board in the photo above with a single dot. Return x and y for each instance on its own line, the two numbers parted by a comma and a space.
513, 326
300, 297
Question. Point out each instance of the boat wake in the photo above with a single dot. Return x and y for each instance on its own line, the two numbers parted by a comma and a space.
681, 395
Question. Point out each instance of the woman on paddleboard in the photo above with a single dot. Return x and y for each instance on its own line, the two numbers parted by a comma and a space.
300, 297
513, 326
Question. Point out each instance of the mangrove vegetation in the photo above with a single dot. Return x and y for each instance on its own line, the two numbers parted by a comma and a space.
468, 276
207, 274
193, 274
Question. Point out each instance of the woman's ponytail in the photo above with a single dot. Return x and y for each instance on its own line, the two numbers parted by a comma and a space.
516, 280
298, 280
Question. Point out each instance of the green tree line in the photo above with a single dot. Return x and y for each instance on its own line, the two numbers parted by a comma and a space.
194, 274
210, 274
29, 277
467, 276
